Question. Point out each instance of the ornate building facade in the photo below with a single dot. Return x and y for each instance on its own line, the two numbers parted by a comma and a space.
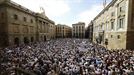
45, 27
78, 30
19, 25
115, 25
63, 31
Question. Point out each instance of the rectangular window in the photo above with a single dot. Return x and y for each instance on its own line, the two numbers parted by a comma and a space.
121, 23
15, 17
82, 27
25, 19
112, 14
120, 9
31, 20
111, 36
118, 36
112, 25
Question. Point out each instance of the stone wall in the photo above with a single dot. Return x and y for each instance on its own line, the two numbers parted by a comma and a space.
116, 40
18, 28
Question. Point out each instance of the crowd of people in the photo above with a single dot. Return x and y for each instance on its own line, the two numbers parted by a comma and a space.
66, 57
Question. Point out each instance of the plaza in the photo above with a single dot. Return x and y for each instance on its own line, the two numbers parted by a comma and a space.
33, 44
65, 57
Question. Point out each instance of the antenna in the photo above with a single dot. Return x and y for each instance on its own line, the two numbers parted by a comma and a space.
104, 3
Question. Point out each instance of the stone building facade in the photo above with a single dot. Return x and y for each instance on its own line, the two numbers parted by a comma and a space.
52, 30
63, 31
45, 27
19, 25
78, 30
115, 25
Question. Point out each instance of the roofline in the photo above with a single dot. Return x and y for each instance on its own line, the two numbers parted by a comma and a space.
19, 7
106, 8
38, 15
62, 25
79, 23
24, 9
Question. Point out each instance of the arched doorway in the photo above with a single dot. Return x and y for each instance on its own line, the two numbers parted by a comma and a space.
44, 38
26, 41
32, 39
16, 41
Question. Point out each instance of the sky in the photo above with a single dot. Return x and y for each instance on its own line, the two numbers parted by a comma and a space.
66, 12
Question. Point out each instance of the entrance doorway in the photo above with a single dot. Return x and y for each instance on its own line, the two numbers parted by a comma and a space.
44, 38
16, 41
101, 38
26, 41
32, 39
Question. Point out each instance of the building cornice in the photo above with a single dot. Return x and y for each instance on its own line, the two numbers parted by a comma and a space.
106, 8
63, 25
79, 23
19, 7
24, 9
